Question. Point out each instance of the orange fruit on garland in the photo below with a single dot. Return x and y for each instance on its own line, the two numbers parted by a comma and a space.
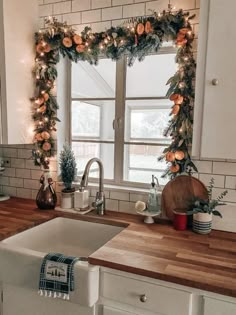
170, 156
67, 42
140, 29
180, 36
148, 27
179, 155
181, 42
77, 39
46, 97
42, 109
47, 48
174, 168
40, 48
179, 100
80, 48
38, 137
45, 135
174, 97
46, 146
175, 109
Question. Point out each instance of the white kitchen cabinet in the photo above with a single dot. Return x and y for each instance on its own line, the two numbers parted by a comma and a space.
139, 295
214, 306
113, 311
22, 301
18, 23
215, 110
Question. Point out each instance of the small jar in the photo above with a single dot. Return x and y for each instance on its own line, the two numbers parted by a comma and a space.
180, 219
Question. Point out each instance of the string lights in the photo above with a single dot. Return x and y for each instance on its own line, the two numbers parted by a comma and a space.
136, 38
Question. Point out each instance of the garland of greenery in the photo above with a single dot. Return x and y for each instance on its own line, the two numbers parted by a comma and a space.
136, 39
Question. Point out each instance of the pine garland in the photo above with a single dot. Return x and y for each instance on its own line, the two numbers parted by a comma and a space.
136, 38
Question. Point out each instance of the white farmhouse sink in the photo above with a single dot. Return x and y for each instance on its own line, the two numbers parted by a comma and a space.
66, 236
21, 255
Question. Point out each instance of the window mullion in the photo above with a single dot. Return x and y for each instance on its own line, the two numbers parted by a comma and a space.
119, 116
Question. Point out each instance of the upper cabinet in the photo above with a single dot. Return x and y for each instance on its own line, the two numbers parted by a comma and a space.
18, 23
215, 108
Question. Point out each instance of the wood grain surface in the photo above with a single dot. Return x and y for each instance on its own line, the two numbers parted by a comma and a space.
178, 192
207, 262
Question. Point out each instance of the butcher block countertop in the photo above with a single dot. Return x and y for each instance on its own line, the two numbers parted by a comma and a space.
206, 262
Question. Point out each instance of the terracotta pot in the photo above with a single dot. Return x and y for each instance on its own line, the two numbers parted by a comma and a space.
202, 223
67, 200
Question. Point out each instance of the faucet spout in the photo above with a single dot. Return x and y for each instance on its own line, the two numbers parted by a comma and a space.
99, 203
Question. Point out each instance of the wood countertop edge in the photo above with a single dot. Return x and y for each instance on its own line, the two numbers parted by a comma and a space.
131, 223
163, 277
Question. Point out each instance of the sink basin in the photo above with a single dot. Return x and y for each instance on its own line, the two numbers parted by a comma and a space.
22, 254
66, 236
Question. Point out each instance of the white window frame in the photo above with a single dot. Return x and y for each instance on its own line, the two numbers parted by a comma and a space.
118, 123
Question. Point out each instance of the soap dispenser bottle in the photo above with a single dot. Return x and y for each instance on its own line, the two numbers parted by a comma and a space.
153, 204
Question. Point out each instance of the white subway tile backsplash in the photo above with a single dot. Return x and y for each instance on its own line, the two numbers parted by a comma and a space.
9, 172
100, 4
45, 10
100, 26
119, 195
4, 180
7, 190
112, 13
24, 193
224, 168
230, 182
23, 173
219, 179
230, 197
137, 197
91, 16
31, 184
197, 4
18, 163
127, 207
62, 7
133, 10
184, 4
112, 205
24, 154
72, 18
9, 152
16, 182
157, 6
81, 5
204, 166
122, 2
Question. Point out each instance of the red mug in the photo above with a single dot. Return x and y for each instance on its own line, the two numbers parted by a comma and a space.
180, 219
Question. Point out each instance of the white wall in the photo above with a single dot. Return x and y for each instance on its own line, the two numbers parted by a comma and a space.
21, 178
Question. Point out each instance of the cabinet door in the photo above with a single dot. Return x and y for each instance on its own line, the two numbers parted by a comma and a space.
20, 301
114, 311
217, 97
218, 307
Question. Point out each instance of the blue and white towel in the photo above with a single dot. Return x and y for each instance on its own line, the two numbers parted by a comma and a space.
57, 276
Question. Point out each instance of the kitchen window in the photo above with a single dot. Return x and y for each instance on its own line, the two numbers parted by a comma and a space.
119, 114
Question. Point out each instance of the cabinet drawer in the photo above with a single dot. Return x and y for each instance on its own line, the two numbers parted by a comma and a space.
113, 311
159, 299
218, 307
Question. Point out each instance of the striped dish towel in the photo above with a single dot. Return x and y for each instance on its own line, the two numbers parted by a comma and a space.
57, 276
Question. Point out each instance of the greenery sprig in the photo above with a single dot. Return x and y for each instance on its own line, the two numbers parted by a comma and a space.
207, 206
135, 39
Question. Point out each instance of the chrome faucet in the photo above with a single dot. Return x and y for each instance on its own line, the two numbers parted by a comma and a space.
99, 203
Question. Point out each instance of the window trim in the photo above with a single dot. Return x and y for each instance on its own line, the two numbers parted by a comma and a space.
119, 133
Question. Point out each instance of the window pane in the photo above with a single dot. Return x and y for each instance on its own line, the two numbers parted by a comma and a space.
141, 160
146, 120
93, 120
148, 78
84, 151
90, 81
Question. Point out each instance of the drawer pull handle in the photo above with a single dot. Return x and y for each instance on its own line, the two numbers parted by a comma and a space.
215, 82
143, 298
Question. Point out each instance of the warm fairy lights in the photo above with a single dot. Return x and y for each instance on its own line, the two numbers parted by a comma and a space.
137, 38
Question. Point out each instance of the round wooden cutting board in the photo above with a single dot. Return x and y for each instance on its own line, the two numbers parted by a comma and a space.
179, 191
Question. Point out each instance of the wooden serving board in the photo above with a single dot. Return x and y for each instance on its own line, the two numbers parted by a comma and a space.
179, 191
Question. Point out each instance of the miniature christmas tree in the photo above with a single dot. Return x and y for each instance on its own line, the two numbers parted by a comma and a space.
68, 167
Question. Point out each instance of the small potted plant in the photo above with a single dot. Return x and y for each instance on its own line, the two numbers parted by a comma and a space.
202, 210
68, 171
